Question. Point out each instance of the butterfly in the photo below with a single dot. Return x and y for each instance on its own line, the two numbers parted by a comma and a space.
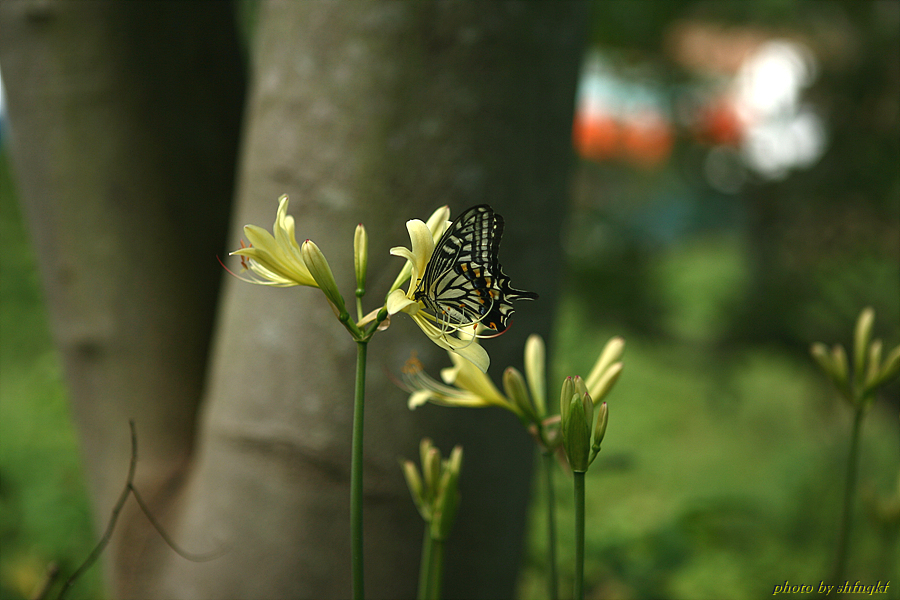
463, 283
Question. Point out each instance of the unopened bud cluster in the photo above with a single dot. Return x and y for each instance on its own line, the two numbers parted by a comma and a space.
583, 413
435, 492
869, 371
581, 433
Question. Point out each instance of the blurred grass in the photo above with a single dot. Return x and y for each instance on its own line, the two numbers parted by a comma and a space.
44, 511
722, 468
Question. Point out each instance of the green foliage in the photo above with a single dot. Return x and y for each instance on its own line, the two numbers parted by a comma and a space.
721, 473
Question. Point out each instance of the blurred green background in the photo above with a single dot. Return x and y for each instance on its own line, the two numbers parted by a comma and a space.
721, 223
722, 469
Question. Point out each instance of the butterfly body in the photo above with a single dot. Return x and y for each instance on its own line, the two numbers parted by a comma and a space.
463, 283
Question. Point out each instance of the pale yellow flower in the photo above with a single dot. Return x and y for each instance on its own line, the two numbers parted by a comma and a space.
459, 340
437, 223
275, 260
463, 385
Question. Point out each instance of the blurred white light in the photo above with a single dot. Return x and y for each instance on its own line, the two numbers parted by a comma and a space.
780, 134
597, 89
808, 133
771, 80
765, 150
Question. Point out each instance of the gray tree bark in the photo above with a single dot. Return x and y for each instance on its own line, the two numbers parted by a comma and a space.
361, 112
124, 140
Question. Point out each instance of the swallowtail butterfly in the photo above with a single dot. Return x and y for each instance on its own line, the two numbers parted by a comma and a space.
463, 283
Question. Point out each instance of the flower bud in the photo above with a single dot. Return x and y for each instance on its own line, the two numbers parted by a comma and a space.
611, 353
565, 397
834, 365
600, 427
882, 374
318, 267
874, 363
588, 404
425, 447
583, 393
819, 352
414, 483
455, 460
431, 470
580, 387
603, 386
861, 336
360, 258
516, 390
891, 367
576, 431
535, 372
840, 368
447, 499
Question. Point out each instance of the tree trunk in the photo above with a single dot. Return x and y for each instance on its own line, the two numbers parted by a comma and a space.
361, 112
124, 141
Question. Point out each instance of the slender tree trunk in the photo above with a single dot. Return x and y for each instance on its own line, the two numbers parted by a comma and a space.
361, 112
124, 142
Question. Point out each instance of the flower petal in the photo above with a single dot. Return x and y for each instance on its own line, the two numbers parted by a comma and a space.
422, 243
467, 349
403, 252
438, 221
476, 355
418, 398
422, 246
466, 374
275, 259
272, 271
397, 302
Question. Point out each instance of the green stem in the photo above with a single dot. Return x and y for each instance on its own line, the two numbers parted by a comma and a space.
579, 535
356, 474
552, 576
843, 537
425, 565
437, 569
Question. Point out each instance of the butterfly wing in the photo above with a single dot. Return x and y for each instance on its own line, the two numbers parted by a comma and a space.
463, 282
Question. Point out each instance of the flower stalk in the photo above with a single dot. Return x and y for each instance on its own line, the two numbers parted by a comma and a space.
356, 474
552, 574
436, 496
578, 477
842, 543
582, 434
859, 389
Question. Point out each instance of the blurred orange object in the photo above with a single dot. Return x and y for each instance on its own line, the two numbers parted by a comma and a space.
647, 139
595, 137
